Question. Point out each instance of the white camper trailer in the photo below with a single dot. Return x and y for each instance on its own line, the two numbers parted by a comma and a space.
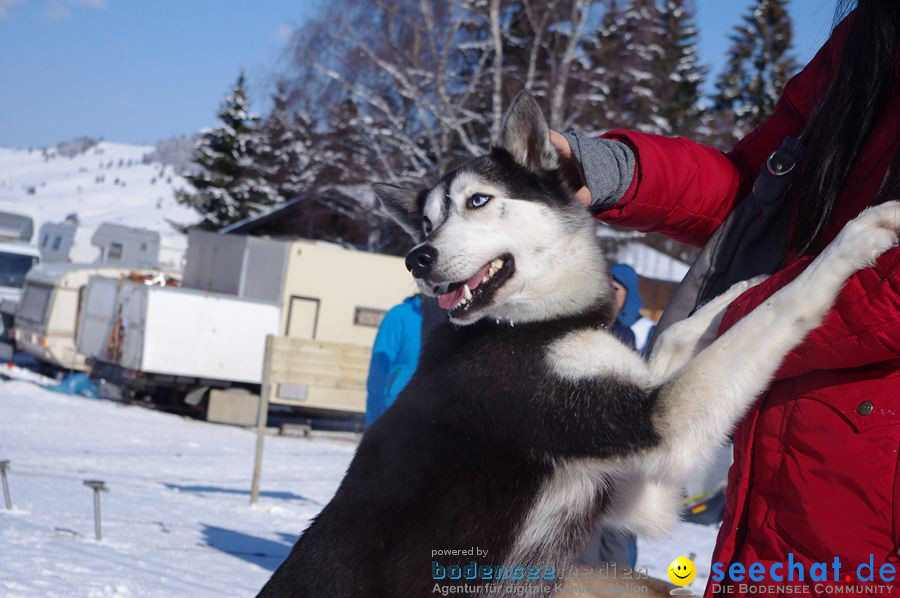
139, 248
67, 243
46, 319
112, 244
326, 292
211, 332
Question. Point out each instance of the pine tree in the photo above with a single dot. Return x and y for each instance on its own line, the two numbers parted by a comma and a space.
759, 64
229, 183
286, 156
344, 155
605, 86
681, 73
645, 69
642, 54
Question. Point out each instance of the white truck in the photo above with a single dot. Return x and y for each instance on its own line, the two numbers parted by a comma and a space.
154, 339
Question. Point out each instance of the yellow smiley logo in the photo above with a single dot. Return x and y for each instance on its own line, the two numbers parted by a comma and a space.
682, 571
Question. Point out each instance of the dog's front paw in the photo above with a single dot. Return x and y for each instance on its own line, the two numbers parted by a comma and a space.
870, 234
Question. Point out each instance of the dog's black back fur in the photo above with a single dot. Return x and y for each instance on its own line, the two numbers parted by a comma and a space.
459, 459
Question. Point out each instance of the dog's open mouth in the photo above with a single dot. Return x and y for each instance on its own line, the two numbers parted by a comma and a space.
479, 289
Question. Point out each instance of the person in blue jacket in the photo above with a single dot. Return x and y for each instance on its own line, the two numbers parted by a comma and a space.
394, 356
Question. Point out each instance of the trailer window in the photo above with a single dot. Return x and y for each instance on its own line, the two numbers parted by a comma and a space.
14, 267
367, 316
34, 303
115, 251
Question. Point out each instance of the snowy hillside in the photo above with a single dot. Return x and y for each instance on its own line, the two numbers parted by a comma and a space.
176, 521
109, 182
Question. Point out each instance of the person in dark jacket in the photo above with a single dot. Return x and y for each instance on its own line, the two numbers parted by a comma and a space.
628, 303
815, 470
395, 355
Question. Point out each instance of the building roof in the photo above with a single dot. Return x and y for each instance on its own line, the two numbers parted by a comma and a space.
248, 224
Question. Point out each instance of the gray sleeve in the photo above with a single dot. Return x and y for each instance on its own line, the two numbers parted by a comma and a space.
608, 167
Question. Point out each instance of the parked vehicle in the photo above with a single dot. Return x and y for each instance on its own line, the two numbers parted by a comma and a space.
19, 220
17, 257
139, 248
67, 242
210, 333
325, 292
163, 336
113, 244
46, 319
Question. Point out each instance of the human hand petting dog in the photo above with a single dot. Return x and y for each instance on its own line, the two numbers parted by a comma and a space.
599, 170
570, 168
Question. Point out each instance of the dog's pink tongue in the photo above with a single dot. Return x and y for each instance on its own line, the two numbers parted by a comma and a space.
451, 299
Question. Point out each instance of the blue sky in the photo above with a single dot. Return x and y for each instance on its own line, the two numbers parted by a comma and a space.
142, 70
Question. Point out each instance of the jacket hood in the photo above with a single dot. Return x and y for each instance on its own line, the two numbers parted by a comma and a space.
628, 278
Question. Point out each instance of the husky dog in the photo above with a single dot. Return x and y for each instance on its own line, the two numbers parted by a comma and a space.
527, 422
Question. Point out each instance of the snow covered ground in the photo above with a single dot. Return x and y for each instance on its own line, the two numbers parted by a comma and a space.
176, 521
107, 183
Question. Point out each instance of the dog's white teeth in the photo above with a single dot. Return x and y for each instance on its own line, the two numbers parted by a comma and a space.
495, 266
487, 277
467, 292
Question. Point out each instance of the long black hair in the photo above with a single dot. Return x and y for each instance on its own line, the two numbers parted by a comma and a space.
843, 119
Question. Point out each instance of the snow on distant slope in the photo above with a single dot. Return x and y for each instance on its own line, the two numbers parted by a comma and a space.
106, 183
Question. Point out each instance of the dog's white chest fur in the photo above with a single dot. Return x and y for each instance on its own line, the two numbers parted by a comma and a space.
592, 353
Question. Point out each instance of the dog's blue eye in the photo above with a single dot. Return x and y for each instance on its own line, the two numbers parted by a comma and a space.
478, 200
426, 225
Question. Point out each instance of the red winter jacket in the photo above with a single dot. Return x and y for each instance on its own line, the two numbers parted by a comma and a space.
816, 470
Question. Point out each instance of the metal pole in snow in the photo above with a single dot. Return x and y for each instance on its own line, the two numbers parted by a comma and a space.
98, 486
3, 466
261, 420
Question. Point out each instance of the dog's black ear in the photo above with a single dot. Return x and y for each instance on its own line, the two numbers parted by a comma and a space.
401, 204
526, 135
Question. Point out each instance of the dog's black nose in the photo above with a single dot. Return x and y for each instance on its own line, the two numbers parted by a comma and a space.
420, 260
